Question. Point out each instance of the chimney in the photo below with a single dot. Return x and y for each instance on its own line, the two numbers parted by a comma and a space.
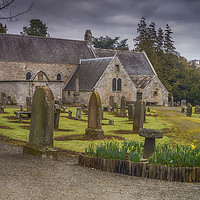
88, 36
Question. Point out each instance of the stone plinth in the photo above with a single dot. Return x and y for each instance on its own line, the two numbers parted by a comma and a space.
149, 144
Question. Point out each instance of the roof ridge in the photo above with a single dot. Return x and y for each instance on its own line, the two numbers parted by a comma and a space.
40, 37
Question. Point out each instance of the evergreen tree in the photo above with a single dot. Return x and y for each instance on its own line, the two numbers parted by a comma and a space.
168, 42
110, 43
152, 35
3, 29
36, 28
141, 41
160, 41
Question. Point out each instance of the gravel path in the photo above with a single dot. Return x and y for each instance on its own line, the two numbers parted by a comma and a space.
24, 177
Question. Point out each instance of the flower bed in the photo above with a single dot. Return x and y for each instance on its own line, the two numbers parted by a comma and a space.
141, 169
180, 163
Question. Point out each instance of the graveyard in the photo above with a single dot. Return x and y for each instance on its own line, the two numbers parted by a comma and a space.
177, 128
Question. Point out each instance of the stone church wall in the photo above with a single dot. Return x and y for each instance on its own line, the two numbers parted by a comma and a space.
17, 70
155, 92
19, 90
104, 85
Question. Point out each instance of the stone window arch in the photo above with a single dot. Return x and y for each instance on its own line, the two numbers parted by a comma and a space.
119, 85
28, 76
114, 84
58, 77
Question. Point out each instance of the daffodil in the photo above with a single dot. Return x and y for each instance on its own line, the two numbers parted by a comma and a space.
193, 147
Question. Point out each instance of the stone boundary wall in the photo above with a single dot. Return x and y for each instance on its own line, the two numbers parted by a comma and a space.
140, 169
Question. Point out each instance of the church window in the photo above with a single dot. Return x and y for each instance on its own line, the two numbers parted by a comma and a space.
59, 77
119, 85
117, 68
28, 76
114, 84
40, 76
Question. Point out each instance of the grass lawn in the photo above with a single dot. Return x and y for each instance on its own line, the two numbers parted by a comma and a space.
121, 128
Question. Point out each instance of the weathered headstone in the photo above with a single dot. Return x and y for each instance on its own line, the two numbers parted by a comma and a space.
149, 144
183, 103
145, 110
69, 114
1, 109
56, 116
76, 90
20, 117
189, 110
111, 102
42, 118
148, 109
94, 129
123, 107
115, 108
182, 109
28, 103
178, 104
42, 124
138, 116
111, 122
131, 109
197, 109
78, 113
21, 108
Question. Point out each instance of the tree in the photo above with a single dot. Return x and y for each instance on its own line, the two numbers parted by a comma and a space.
160, 41
36, 28
141, 41
8, 5
152, 35
168, 42
110, 43
3, 29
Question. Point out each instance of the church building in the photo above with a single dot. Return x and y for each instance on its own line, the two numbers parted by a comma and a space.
64, 65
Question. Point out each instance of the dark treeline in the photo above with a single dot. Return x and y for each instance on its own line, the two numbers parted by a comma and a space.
180, 77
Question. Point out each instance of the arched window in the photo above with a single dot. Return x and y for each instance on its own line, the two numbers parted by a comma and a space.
58, 77
114, 84
119, 84
28, 76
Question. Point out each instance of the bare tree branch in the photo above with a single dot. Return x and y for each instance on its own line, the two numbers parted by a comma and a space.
7, 4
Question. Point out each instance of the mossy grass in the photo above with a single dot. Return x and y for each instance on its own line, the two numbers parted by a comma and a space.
154, 120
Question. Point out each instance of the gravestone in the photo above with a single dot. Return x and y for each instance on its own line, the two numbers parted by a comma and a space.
115, 108
178, 104
183, 103
69, 114
56, 116
131, 109
189, 110
42, 124
28, 103
138, 116
94, 129
145, 110
148, 109
111, 102
76, 90
149, 144
123, 107
21, 108
1, 109
42, 118
78, 113
20, 117
111, 122
197, 109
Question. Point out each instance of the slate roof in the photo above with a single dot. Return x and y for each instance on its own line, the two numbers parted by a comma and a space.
135, 63
89, 72
42, 50
141, 81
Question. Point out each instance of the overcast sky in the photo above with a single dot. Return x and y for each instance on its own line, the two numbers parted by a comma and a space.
69, 19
